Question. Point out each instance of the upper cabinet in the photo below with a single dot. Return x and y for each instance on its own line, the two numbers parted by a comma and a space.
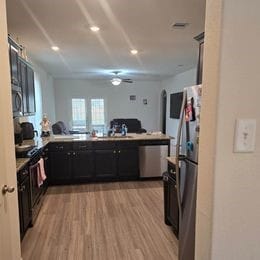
13, 64
26, 80
22, 79
200, 39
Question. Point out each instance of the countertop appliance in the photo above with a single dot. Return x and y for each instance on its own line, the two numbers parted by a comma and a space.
28, 130
152, 159
187, 146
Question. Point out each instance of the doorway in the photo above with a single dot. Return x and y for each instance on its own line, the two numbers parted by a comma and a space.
163, 111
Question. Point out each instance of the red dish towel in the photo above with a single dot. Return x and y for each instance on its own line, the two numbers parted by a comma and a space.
41, 172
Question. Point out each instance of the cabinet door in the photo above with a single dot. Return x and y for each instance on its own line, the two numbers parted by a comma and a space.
173, 210
128, 163
14, 65
30, 89
200, 63
26, 204
105, 163
83, 165
23, 84
60, 167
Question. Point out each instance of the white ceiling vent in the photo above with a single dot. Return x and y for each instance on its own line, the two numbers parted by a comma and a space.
179, 25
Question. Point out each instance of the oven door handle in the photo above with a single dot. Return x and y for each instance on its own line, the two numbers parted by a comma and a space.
34, 166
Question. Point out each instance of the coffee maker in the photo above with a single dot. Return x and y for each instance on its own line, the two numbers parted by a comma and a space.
18, 134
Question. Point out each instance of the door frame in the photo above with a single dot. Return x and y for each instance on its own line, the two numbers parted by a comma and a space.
163, 113
9, 216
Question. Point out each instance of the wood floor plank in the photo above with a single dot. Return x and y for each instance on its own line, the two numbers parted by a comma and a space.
119, 220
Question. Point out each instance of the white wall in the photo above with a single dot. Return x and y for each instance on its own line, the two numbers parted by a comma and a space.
229, 188
116, 98
173, 85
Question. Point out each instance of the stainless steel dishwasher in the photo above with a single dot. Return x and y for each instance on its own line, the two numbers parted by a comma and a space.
152, 159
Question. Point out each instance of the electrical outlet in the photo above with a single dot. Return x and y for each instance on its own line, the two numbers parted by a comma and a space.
245, 132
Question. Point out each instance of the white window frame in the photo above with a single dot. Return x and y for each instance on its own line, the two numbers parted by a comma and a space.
100, 127
88, 111
76, 127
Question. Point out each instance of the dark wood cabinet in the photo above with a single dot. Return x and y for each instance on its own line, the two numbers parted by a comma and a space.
22, 79
23, 84
30, 91
24, 200
200, 39
173, 213
74, 162
121, 162
70, 162
60, 167
83, 166
13, 58
106, 163
128, 162
26, 80
171, 209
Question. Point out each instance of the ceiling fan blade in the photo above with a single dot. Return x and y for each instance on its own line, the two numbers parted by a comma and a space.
127, 80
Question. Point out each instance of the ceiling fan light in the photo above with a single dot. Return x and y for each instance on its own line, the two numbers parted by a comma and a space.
116, 81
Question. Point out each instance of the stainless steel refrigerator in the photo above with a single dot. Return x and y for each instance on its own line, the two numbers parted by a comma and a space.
187, 146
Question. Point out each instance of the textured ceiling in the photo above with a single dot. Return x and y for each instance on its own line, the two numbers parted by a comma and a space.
125, 24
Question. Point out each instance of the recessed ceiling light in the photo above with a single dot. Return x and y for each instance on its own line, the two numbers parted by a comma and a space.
94, 28
134, 52
55, 48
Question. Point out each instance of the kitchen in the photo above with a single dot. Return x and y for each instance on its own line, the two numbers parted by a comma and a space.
148, 103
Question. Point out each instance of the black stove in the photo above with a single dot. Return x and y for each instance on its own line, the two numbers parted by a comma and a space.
28, 154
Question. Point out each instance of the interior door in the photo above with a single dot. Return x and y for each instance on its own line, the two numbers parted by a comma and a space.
9, 217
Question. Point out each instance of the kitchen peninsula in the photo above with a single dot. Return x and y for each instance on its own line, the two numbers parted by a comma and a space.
80, 158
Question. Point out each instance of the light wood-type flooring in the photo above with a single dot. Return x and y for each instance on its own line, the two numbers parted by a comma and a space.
120, 220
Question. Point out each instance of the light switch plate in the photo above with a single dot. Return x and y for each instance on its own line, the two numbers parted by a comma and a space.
245, 132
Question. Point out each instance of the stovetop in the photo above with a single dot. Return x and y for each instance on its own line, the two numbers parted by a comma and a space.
28, 154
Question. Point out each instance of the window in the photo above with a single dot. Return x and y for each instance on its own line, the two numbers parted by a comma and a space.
79, 120
98, 114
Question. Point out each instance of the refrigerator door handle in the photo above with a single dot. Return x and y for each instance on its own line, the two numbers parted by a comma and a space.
178, 145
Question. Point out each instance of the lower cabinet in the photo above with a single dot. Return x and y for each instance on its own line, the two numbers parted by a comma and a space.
98, 161
24, 200
106, 164
59, 167
171, 209
128, 162
82, 165
68, 164
121, 162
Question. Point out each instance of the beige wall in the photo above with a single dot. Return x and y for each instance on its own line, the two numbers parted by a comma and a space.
9, 222
228, 206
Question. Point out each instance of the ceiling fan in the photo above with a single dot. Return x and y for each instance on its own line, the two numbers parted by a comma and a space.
116, 81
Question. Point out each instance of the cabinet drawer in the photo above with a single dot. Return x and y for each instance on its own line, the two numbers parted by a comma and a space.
82, 146
60, 146
102, 145
127, 144
154, 142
